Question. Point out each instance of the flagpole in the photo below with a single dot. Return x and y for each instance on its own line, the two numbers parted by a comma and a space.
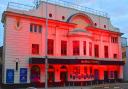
46, 48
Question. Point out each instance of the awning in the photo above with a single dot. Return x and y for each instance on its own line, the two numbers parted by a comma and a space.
74, 61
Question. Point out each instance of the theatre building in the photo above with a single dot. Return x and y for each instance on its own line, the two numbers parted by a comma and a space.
83, 46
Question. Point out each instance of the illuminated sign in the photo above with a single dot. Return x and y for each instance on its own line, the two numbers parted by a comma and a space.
74, 61
89, 62
10, 76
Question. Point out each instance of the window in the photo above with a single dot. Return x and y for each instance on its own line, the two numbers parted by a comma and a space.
95, 24
31, 27
84, 47
90, 49
63, 47
114, 39
40, 29
50, 46
35, 48
124, 54
18, 23
104, 26
76, 48
35, 28
63, 17
96, 50
50, 15
115, 56
106, 51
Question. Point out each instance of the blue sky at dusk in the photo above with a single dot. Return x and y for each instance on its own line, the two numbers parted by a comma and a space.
117, 10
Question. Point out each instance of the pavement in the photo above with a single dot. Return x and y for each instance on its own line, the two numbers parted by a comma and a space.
101, 86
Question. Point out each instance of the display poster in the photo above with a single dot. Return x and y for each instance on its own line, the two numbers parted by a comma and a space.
10, 76
23, 75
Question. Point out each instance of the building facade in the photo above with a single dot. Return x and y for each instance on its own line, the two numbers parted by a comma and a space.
82, 46
125, 56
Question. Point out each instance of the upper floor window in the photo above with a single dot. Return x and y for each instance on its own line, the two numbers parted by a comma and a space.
90, 49
31, 27
63, 17
115, 56
106, 51
84, 47
63, 47
50, 15
104, 26
76, 48
35, 28
50, 46
124, 54
114, 39
96, 50
95, 24
35, 48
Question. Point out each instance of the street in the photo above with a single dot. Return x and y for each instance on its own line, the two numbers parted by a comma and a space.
101, 86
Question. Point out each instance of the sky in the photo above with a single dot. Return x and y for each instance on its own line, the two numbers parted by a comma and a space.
116, 9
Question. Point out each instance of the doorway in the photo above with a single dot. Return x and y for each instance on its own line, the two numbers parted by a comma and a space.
115, 75
51, 74
35, 74
96, 74
63, 74
106, 76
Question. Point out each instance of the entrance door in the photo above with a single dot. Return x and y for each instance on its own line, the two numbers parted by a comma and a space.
51, 74
106, 76
51, 77
63, 76
96, 74
35, 74
115, 75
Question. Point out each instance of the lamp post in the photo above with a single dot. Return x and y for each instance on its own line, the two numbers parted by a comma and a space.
46, 48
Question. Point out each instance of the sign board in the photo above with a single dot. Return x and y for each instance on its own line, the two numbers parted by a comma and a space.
23, 75
10, 76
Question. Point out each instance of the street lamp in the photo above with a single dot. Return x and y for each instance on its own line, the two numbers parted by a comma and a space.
46, 43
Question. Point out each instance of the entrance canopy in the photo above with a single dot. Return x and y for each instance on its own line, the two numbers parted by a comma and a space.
74, 61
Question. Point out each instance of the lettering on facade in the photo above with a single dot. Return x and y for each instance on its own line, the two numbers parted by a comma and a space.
89, 62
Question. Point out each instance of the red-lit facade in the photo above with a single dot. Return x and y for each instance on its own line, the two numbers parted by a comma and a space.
79, 51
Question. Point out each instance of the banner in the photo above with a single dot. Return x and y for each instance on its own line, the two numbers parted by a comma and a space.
10, 76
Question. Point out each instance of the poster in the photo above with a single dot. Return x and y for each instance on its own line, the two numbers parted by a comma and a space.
10, 76
23, 75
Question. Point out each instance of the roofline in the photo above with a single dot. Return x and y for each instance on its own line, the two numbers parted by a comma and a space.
107, 30
72, 24
124, 37
6, 12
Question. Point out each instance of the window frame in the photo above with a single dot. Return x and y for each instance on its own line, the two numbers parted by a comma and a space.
76, 48
35, 49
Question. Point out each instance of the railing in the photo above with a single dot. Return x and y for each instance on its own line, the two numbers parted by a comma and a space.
19, 6
58, 2
77, 7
